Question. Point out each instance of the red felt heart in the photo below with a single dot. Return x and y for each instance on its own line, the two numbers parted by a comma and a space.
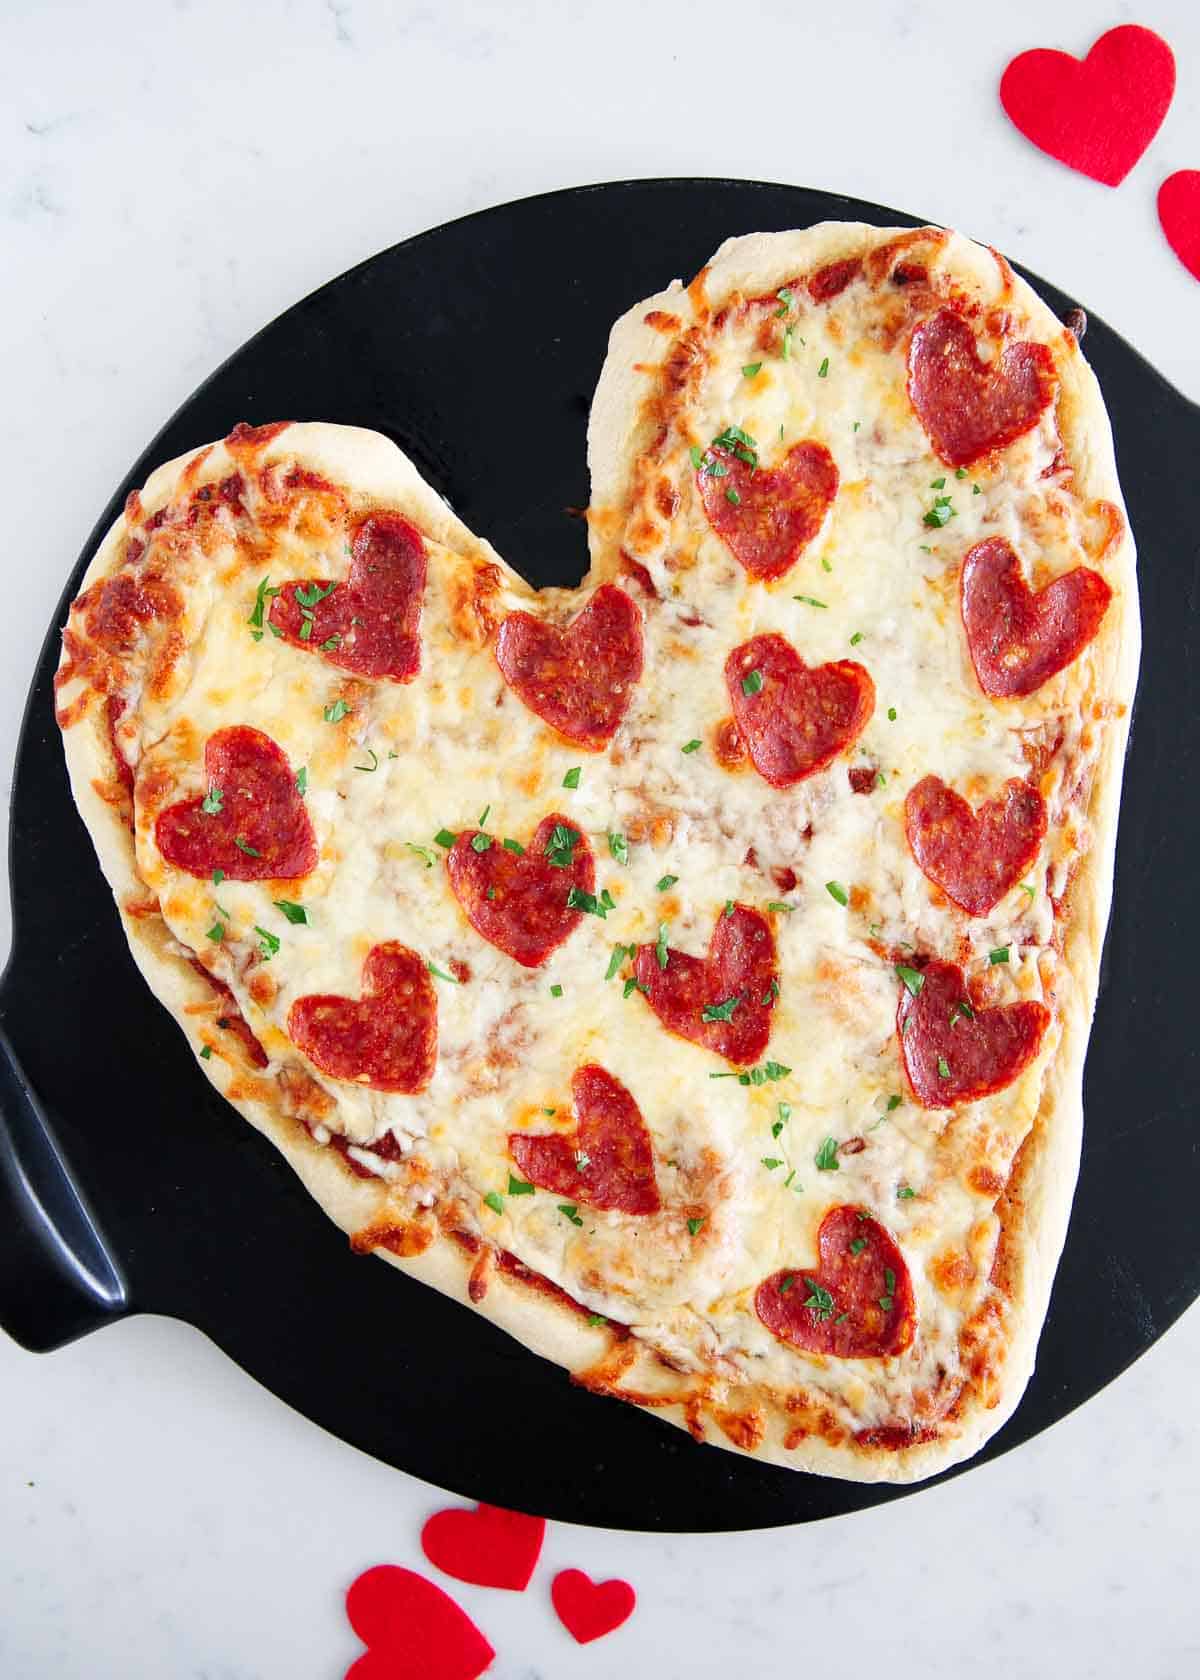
387, 1039
974, 856
722, 1000
1179, 215
517, 898
251, 823
953, 1052
580, 679
1097, 116
856, 1304
371, 623
970, 407
766, 517
1019, 639
488, 1547
608, 1162
589, 1609
412, 1629
795, 718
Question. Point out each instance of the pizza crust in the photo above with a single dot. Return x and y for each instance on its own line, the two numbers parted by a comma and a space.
1037, 1203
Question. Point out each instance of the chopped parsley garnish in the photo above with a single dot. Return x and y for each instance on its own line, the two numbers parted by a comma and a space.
937, 484
212, 802
336, 712
960, 472
836, 890
310, 597
518, 1186
571, 779
962, 1007
481, 842
619, 954
826, 1157
495, 1201
1032, 891
218, 876
760, 1075
243, 845
818, 1301
582, 1160
491, 892
577, 899
444, 837
332, 644
570, 1211
811, 601
268, 944
720, 1011
785, 345
771, 1162
912, 978
633, 985
697, 455
975, 490
216, 933
784, 294
514, 846
857, 1246
778, 904
999, 955
786, 1283
823, 369
891, 712
295, 913
302, 779
206, 1052
752, 682
856, 425
664, 882
595, 1319
887, 1300
904, 1193
440, 974
893, 1103
941, 513
785, 1113
556, 990
856, 638
660, 945
423, 852
771, 993
825, 565
731, 495
618, 848
694, 1227
260, 600
374, 764
483, 816
690, 746
943, 1068
750, 369
560, 852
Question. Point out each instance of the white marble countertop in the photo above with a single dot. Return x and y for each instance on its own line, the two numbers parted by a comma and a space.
172, 176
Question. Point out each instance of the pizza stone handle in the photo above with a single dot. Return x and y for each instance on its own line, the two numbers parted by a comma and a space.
58, 1278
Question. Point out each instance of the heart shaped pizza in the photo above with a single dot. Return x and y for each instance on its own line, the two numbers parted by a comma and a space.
693, 970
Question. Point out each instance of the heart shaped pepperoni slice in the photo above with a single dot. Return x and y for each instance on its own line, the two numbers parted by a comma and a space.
579, 680
488, 1546
589, 1609
251, 823
412, 1628
968, 406
387, 1039
371, 623
723, 1000
795, 718
974, 856
1018, 639
767, 516
856, 1304
954, 1053
608, 1162
516, 899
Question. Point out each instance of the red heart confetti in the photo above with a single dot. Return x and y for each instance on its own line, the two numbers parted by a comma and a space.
795, 718
589, 1609
767, 517
953, 1052
579, 680
723, 1000
1019, 639
1099, 115
974, 856
608, 1162
251, 823
412, 1630
525, 901
488, 1547
371, 623
387, 1039
857, 1303
1179, 216
967, 406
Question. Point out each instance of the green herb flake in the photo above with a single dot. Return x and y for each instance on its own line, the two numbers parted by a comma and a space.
295, 913
823, 369
856, 638
784, 294
518, 1186
218, 875
750, 369
619, 954
937, 484
556, 991
904, 1193
571, 779
570, 1211
332, 644
440, 974
975, 490
495, 1201
891, 713
577, 899
243, 845
771, 1162
216, 933
778, 904
515, 847
426, 856
268, 944
752, 682
595, 1320
912, 978
731, 495
999, 955
959, 472
336, 712
837, 891
374, 764
444, 837
660, 945
811, 601
633, 985
818, 1301
212, 802
664, 882
694, 1227
893, 1103
261, 595
690, 747
206, 1052
721, 1011
302, 779
857, 1246
943, 1068
786, 1283
618, 848
697, 456
1030, 891
941, 513
481, 842
826, 1157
